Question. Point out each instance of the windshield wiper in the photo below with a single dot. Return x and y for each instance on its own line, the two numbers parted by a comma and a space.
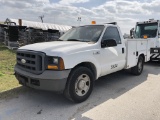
59, 40
79, 40
73, 40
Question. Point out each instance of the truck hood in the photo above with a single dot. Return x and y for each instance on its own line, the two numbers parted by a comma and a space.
59, 47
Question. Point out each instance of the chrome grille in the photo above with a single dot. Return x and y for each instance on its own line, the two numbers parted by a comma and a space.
31, 61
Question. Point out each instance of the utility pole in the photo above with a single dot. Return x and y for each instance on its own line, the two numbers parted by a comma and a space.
41, 17
79, 20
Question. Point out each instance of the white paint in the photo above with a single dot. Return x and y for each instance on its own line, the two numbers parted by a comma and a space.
74, 53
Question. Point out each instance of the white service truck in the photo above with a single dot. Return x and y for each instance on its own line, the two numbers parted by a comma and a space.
150, 30
81, 56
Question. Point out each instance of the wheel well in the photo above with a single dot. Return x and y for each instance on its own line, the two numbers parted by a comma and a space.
143, 57
90, 66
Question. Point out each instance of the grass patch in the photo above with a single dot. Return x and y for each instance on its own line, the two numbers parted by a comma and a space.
7, 63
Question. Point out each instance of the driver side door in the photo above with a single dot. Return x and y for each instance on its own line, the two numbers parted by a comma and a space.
112, 58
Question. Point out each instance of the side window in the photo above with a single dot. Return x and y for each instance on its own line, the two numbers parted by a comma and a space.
112, 33
138, 32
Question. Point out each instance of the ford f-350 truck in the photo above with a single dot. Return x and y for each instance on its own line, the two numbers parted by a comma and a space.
81, 56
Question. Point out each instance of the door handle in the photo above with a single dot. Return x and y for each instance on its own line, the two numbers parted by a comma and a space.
122, 50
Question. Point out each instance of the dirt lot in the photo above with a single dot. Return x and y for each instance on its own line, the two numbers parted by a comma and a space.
119, 96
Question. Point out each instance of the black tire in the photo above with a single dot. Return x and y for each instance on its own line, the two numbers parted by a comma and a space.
137, 70
70, 90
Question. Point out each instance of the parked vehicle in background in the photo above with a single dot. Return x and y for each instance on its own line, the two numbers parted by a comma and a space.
150, 30
71, 64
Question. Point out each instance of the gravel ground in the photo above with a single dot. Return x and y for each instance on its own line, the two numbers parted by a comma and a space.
119, 96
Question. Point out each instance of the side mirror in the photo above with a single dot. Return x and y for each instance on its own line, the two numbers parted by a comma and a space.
158, 35
108, 43
132, 32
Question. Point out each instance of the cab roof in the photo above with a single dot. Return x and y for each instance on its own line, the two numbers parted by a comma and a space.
149, 21
104, 24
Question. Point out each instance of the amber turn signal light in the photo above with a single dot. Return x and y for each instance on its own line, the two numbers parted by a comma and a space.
52, 67
61, 64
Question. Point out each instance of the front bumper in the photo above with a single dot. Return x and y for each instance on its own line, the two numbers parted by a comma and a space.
48, 80
155, 54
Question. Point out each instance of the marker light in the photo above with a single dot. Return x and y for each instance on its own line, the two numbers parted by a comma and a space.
145, 36
55, 63
93, 22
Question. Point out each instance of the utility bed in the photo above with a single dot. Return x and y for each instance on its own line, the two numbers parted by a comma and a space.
135, 47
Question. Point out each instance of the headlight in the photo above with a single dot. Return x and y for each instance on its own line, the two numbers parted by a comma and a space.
55, 63
55, 60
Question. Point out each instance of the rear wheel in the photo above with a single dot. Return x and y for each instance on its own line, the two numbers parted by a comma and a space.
80, 84
137, 70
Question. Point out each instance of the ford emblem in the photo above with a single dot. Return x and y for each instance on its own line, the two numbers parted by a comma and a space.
23, 61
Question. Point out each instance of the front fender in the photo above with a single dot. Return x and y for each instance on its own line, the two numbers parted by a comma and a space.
72, 60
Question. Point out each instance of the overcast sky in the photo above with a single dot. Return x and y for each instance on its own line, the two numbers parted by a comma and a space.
125, 12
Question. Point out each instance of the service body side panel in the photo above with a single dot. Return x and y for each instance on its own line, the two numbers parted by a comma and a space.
131, 54
135, 48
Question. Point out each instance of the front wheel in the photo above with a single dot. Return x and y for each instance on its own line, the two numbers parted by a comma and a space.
137, 70
80, 84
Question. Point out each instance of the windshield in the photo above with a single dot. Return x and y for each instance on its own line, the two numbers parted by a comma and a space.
89, 33
149, 29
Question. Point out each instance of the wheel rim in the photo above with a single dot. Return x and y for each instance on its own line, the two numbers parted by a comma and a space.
82, 85
140, 65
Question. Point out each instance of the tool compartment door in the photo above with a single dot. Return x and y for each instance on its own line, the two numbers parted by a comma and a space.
143, 46
131, 57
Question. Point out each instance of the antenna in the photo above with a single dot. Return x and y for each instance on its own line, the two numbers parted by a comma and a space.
79, 20
41, 17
